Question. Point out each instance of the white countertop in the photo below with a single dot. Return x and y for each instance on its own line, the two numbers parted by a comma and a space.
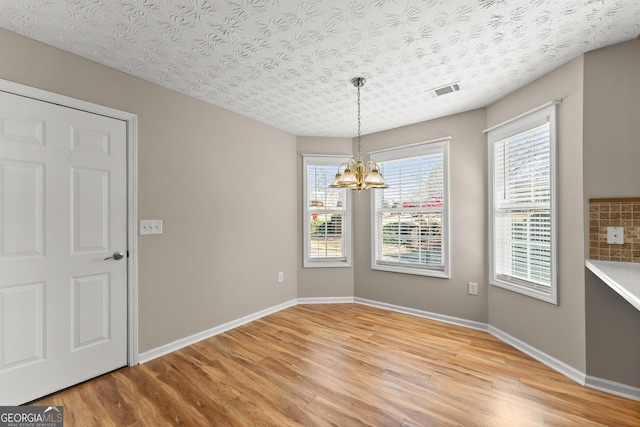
622, 277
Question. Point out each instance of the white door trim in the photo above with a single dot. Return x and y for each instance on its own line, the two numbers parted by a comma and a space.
132, 191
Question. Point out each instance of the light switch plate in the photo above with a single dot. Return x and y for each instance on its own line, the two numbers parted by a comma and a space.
615, 235
150, 226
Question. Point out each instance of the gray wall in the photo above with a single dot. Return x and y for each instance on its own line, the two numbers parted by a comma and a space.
223, 245
468, 229
221, 251
611, 159
558, 331
612, 121
321, 282
613, 334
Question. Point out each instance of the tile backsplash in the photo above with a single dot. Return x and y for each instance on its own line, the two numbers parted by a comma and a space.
614, 212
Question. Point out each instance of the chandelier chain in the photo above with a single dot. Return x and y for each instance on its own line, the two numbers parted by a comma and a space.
359, 121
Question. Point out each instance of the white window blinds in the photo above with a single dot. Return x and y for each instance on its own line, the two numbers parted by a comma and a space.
522, 201
409, 217
326, 215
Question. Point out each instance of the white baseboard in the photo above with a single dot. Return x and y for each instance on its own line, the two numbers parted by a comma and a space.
540, 356
581, 378
426, 314
326, 300
613, 387
184, 342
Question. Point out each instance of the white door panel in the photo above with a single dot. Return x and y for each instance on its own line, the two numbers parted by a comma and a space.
90, 210
21, 209
22, 326
90, 310
63, 307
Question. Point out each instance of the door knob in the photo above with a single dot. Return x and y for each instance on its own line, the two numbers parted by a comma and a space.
116, 255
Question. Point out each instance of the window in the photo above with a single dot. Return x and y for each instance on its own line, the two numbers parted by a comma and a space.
326, 214
522, 202
410, 218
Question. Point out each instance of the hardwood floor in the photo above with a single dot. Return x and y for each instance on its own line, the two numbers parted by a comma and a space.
342, 365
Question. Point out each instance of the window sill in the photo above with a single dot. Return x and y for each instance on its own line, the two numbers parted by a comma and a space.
525, 290
325, 264
414, 271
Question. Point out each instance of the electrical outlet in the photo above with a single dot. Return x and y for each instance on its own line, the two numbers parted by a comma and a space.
615, 235
473, 288
281, 276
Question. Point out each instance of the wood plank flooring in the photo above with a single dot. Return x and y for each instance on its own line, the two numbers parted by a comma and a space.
342, 365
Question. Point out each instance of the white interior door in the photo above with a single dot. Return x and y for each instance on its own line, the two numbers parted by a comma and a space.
63, 210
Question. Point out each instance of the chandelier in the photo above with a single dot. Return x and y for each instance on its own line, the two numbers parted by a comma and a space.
356, 174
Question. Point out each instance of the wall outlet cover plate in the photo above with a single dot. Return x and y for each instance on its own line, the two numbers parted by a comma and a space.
615, 235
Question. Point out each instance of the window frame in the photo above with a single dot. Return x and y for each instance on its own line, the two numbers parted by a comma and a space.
518, 125
424, 148
331, 161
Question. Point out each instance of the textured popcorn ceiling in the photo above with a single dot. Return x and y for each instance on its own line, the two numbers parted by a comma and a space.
288, 63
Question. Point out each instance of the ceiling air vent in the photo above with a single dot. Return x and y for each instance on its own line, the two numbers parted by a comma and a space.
443, 90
